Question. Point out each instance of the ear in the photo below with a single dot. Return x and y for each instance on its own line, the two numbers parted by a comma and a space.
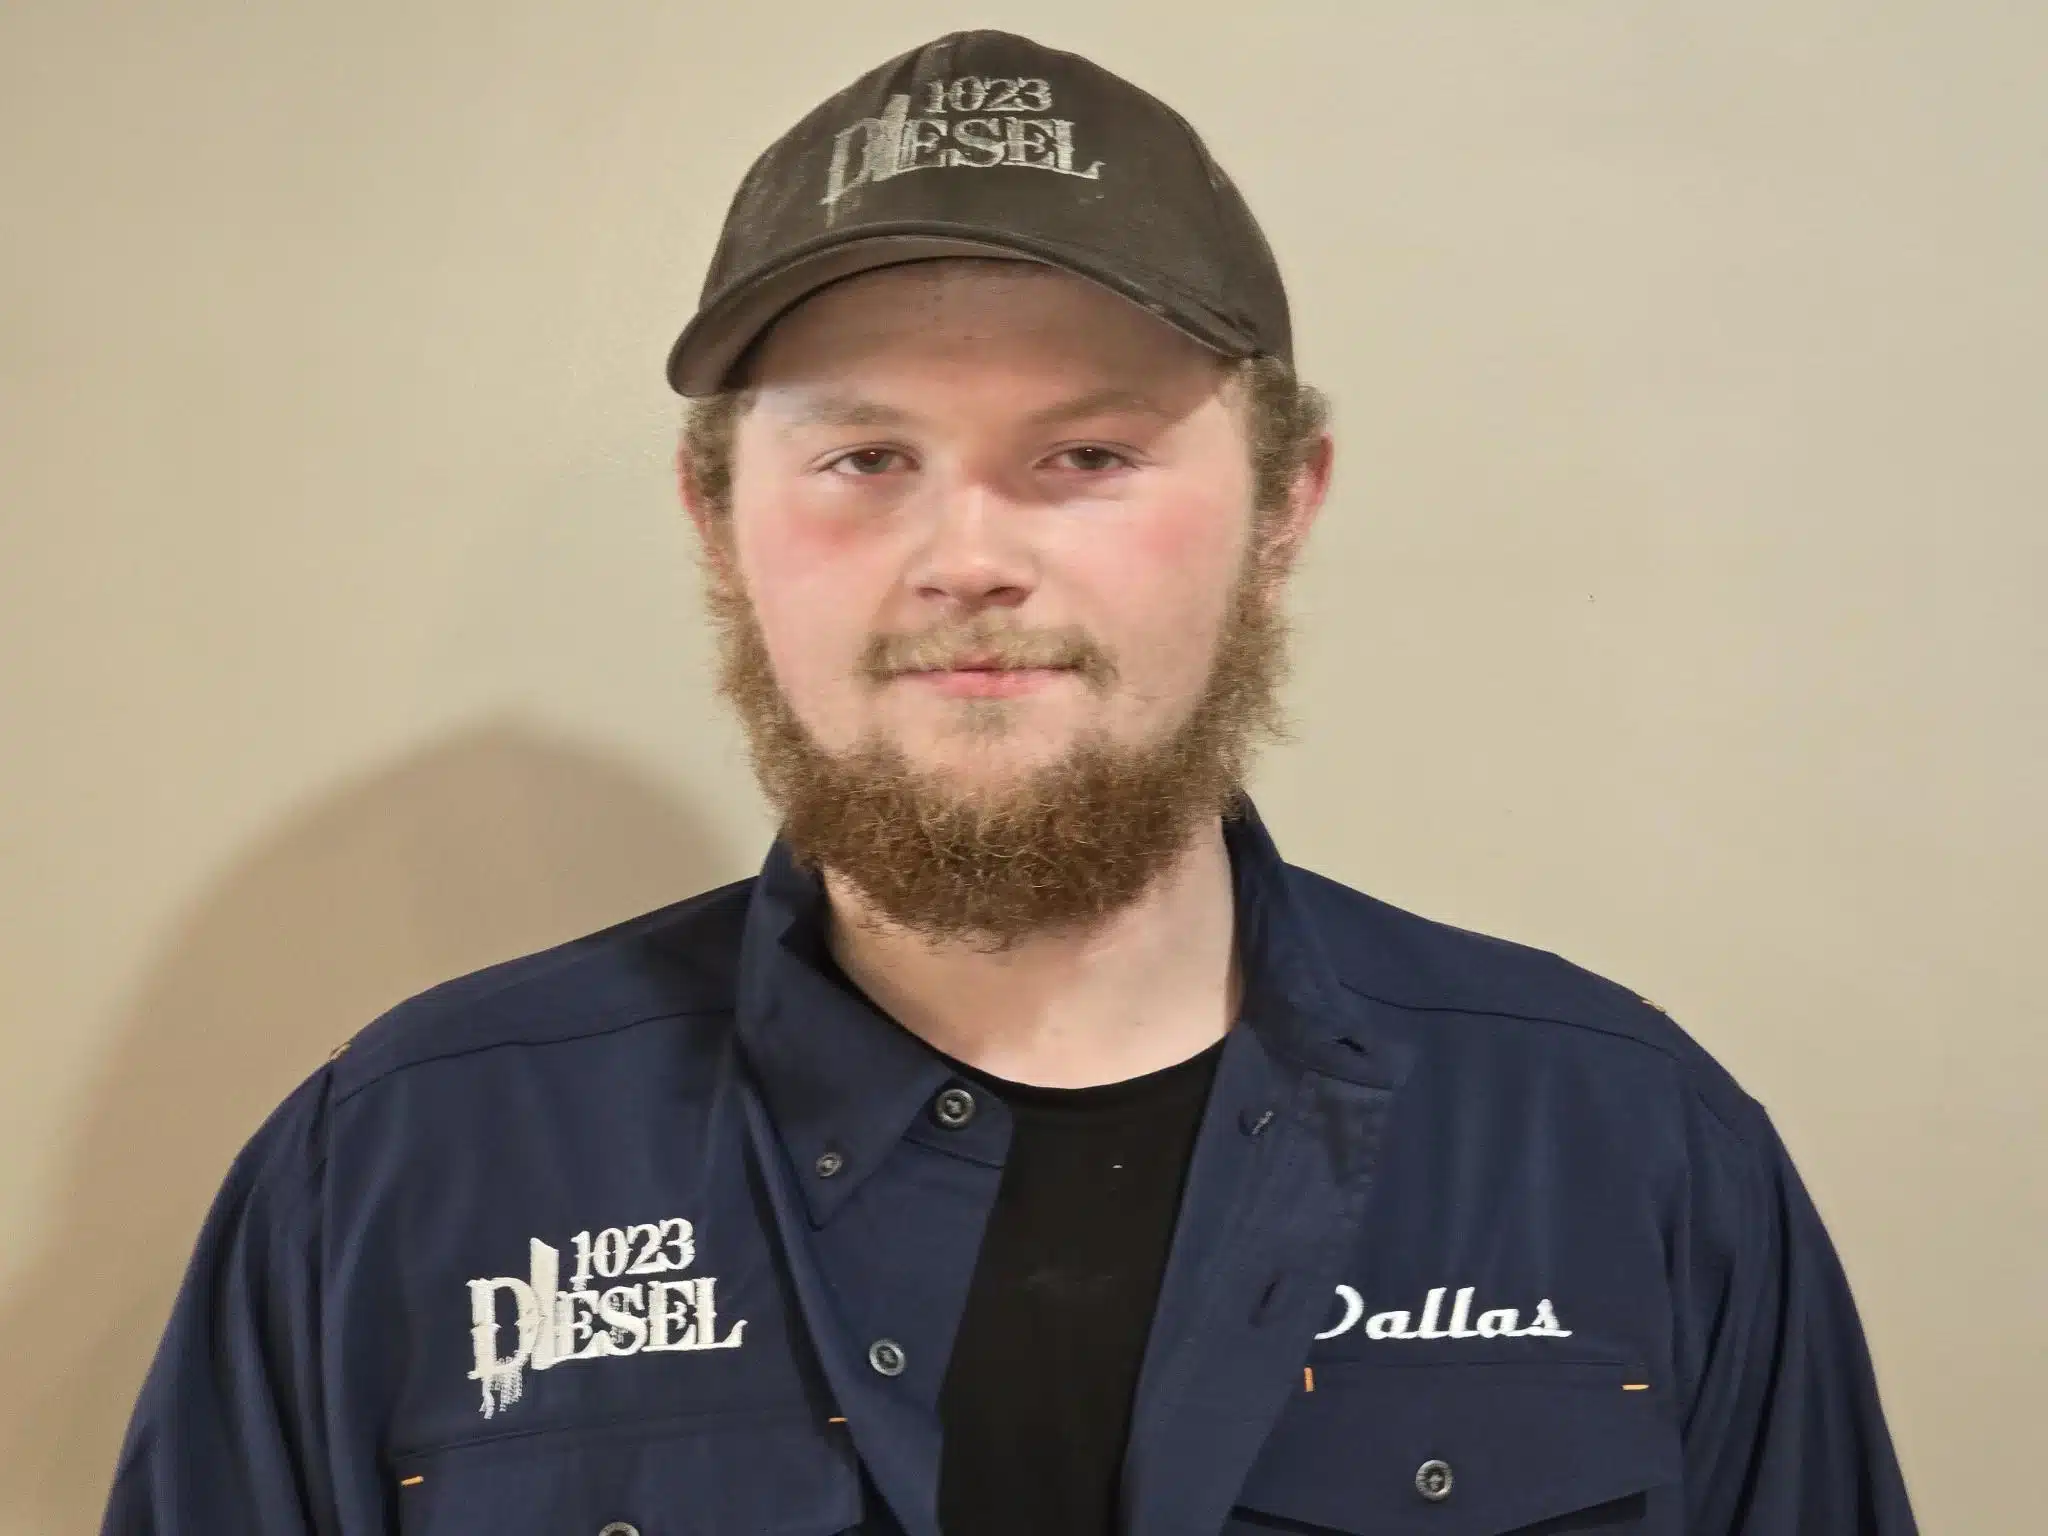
1287, 532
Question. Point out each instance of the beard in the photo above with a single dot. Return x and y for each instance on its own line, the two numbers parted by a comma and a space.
1061, 846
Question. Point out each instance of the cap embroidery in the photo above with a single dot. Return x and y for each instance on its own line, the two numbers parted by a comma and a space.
995, 132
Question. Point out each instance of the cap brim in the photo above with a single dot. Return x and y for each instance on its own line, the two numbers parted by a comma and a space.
703, 357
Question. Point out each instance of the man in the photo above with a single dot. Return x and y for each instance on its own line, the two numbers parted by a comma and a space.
1028, 1148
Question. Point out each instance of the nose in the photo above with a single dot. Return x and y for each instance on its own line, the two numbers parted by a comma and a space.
975, 552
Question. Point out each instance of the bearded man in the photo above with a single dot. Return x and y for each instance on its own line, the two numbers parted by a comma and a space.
1028, 1149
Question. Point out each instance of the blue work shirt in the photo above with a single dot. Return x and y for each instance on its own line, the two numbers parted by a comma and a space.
667, 1231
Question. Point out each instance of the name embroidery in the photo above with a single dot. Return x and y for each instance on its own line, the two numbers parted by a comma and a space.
1494, 1323
552, 1326
876, 148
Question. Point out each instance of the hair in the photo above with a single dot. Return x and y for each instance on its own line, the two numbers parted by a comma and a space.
1287, 418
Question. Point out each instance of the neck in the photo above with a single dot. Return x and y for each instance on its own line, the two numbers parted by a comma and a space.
1151, 985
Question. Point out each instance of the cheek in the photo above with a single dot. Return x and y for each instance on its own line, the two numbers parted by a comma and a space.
797, 545
1161, 586
807, 583
1200, 551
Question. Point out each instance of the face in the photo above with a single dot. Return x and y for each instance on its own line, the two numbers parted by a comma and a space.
993, 590
985, 510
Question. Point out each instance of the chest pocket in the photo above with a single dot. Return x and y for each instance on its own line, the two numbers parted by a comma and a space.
779, 1475
1464, 1450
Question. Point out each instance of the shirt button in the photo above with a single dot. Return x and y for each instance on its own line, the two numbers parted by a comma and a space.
1433, 1481
953, 1108
886, 1356
828, 1163
618, 1528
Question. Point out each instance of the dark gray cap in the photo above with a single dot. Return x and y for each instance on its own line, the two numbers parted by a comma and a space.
988, 144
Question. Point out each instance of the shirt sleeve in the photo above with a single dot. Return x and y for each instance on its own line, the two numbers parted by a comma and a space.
226, 1436
1783, 1430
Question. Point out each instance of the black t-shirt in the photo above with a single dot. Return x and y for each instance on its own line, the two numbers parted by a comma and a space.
1036, 1402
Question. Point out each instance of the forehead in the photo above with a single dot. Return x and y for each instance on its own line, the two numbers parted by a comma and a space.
968, 319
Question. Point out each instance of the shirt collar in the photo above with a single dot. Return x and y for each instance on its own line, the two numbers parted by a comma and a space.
843, 1080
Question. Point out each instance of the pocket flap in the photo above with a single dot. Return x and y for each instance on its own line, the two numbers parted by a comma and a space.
784, 1476
1507, 1445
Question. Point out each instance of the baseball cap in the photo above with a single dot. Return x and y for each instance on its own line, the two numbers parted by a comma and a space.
989, 144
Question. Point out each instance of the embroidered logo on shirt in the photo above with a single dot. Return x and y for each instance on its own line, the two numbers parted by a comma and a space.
993, 130
552, 1325
1493, 1323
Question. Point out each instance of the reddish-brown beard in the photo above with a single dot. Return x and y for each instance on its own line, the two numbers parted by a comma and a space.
1065, 844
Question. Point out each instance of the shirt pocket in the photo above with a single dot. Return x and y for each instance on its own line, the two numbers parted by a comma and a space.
1478, 1449
773, 1474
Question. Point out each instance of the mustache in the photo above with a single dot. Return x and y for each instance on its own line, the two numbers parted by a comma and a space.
983, 642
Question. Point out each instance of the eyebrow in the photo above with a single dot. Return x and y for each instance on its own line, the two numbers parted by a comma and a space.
846, 411
853, 411
1101, 402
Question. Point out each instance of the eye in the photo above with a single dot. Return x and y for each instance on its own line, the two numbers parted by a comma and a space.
867, 462
1092, 458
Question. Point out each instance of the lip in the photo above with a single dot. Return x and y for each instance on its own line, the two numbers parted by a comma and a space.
971, 682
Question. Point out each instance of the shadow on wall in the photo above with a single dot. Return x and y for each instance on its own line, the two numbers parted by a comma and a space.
490, 845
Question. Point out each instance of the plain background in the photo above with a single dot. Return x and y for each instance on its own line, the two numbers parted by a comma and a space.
1679, 607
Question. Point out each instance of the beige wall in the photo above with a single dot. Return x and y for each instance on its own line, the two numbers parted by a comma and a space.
1680, 607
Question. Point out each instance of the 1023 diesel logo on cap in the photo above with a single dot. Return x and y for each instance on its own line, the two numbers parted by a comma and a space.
993, 131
